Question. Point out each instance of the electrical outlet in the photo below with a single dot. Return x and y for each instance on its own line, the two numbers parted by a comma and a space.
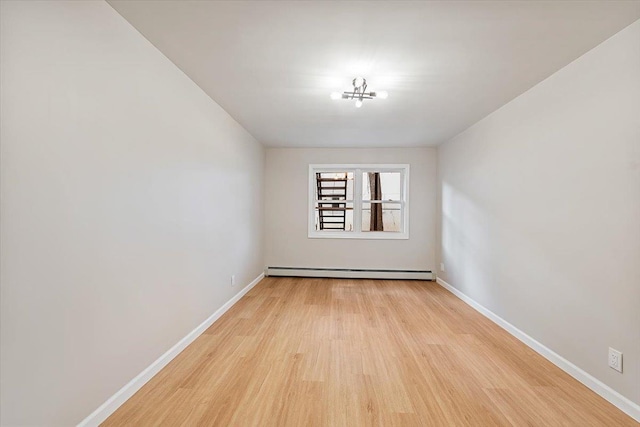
442, 266
233, 280
615, 359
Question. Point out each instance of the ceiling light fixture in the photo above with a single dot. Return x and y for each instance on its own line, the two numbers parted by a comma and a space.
359, 92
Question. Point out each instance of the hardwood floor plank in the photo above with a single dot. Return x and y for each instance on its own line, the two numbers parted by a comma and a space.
329, 352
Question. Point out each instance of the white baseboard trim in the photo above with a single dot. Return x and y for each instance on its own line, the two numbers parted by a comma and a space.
122, 395
624, 404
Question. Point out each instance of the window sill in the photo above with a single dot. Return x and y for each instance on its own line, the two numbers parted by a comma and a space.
371, 235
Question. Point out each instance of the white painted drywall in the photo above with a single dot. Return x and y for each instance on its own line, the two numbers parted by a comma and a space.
286, 205
128, 199
540, 205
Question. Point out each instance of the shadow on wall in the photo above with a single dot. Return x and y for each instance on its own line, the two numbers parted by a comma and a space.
465, 248
496, 261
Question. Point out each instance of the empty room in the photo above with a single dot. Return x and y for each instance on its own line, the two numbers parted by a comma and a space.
319, 213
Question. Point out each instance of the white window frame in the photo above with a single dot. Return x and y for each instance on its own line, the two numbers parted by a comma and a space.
358, 170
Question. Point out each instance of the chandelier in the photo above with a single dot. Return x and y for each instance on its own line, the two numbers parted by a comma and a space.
359, 92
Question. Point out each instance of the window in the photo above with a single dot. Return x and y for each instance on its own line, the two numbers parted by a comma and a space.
359, 201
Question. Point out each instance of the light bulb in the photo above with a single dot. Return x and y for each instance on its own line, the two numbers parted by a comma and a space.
358, 103
336, 95
382, 94
358, 81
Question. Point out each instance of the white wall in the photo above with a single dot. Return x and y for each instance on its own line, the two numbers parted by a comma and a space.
287, 244
541, 211
128, 199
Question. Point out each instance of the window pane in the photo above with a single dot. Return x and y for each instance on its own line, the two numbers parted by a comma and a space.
381, 186
334, 186
333, 216
381, 217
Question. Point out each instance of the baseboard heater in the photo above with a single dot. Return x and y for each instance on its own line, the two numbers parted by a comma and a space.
350, 273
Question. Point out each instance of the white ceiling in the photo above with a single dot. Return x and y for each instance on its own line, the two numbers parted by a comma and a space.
446, 65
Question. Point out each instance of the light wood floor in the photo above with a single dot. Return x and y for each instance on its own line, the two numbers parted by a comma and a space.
321, 352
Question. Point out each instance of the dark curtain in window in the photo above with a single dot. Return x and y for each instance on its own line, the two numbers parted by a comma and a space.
376, 208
